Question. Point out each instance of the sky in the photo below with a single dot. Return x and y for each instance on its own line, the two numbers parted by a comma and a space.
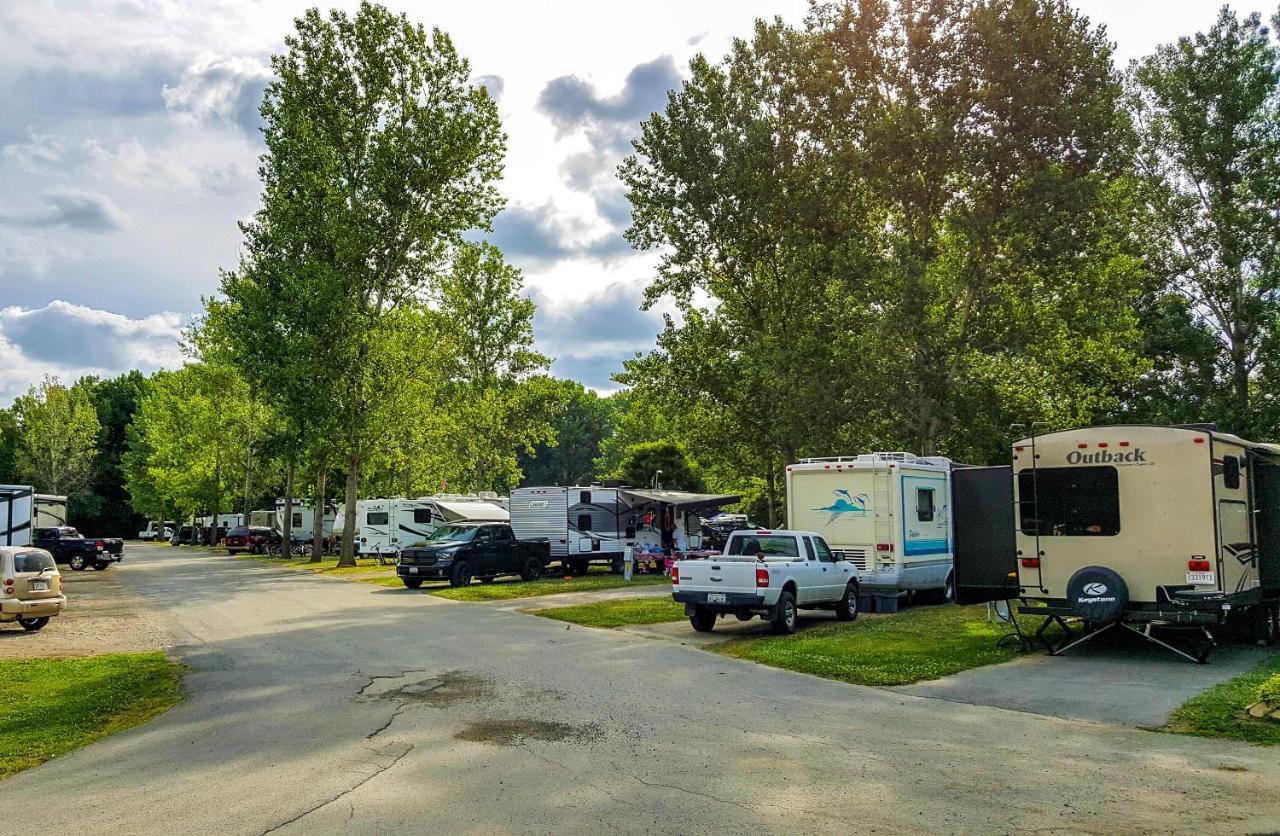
129, 150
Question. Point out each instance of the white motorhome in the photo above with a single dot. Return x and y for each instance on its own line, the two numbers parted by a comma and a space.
50, 511
888, 514
17, 508
1129, 526
589, 523
385, 526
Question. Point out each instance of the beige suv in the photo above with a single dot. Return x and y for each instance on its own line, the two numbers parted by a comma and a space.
30, 587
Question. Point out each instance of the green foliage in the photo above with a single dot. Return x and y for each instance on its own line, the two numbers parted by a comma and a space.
608, 614
103, 508
1269, 691
1208, 109
49, 707
9, 437
582, 422
665, 460
58, 429
1220, 711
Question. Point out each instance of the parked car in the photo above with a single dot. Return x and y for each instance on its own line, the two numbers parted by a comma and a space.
71, 547
249, 538
30, 587
772, 574
185, 535
462, 551
154, 532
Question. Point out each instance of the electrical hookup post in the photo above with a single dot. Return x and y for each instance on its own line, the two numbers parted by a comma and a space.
628, 563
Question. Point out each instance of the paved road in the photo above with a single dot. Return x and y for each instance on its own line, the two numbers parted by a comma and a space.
320, 706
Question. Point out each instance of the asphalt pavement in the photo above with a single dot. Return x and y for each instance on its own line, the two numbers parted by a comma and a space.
314, 706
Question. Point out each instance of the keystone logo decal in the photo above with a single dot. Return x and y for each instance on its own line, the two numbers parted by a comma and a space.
1095, 593
1134, 456
1095, 589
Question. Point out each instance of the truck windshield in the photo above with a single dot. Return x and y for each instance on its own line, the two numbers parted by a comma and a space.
24, 562
770, 545
455, 533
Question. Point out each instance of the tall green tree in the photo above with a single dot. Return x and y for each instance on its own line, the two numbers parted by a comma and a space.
9, 437
581, 423
104, 506
1208, 111
380, 155
664, 463
58, 428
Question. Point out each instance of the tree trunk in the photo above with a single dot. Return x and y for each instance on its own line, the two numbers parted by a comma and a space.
317, 526
1240, 386
348, 556
286, 522
248, 486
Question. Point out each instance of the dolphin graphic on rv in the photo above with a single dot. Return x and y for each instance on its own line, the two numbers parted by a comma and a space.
846, 503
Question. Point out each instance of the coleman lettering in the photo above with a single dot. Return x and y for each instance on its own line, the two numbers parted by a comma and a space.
1135, 456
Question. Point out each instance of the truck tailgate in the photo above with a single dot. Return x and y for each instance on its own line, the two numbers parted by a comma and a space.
719, 574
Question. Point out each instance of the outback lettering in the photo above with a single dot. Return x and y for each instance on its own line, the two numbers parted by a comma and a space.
1136, 456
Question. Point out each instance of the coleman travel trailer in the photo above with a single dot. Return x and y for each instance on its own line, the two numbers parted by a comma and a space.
593, 523
1139, 527
385, 526
17, 508
889, 514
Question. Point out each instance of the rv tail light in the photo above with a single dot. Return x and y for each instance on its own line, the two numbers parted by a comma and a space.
884, 547
675, 574
1019, 449
1199, 440
1102, 444
762, 577
1083, 446
1124, 444
1030, 563
1198, 565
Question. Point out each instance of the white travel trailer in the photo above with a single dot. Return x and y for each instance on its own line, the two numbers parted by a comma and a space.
223, 521
385, 526
262, 518
50, 511
1138, 527
889, 514
17, 508
303, 520
597, 523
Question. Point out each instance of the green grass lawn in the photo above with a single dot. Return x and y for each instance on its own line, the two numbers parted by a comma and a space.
1220, 711
910, 646
656, 610
50, 706
599, 578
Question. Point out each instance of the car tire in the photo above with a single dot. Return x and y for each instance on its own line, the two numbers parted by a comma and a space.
785, 614
100, 565
847, 607
461, 574
1262, 625
581, 567
532, 570
33, 625
233, 552
948, 593
77, 562
412, 583
703, 620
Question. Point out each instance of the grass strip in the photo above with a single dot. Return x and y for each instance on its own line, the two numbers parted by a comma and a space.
655, 610
502, 591
1221, 711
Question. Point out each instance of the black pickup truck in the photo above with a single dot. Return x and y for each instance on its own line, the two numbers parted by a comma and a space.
71, 547
461, 551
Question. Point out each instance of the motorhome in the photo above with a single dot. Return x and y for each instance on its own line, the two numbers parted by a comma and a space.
17, 508
1139, 527
597, 523
385, 526
50, 511
888, 514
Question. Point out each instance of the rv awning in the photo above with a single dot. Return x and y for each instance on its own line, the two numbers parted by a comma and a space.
481, 511
682, 500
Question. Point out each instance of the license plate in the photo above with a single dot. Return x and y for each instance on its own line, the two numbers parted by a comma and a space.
716, 598
1200, 578
413, 570
39, 586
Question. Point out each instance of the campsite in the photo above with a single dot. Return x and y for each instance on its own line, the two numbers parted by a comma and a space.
741, 416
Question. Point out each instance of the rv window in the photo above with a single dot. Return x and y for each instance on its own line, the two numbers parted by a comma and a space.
924, 504
584, 522
1231, 473
421, 515
584, 497
297, 520
376, 518
1069, 501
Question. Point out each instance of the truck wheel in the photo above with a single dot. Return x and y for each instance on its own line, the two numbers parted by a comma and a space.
784, 614
847, 607
949, 589
616, 566
77, 562
703, 620
461, 574
33, 625
100, 565
412, 583
532, 570
581, 567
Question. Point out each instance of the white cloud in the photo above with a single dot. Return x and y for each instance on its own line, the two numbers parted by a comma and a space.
221, 87
71, 208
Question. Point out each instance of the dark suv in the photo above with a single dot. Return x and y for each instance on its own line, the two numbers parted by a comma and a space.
462, 551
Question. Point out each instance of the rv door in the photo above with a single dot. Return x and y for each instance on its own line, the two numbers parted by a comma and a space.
985, 550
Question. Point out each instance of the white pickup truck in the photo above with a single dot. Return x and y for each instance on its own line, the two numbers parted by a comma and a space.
772, 574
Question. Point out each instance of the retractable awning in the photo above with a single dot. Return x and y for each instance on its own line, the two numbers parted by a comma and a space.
478, 511
682, 500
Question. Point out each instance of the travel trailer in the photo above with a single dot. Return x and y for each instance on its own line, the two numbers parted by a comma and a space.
1139, 527
303, 520
385, 526
597, 523
50, 511
263, 518
16, 512
889, 514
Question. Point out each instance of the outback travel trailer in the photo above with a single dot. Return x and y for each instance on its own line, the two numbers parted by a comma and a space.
50, 511
385, 526
585, 524
889, 514
1138, 527
17, 508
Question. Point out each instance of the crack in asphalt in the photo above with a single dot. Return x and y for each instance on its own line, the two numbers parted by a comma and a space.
373, 679
341, 795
